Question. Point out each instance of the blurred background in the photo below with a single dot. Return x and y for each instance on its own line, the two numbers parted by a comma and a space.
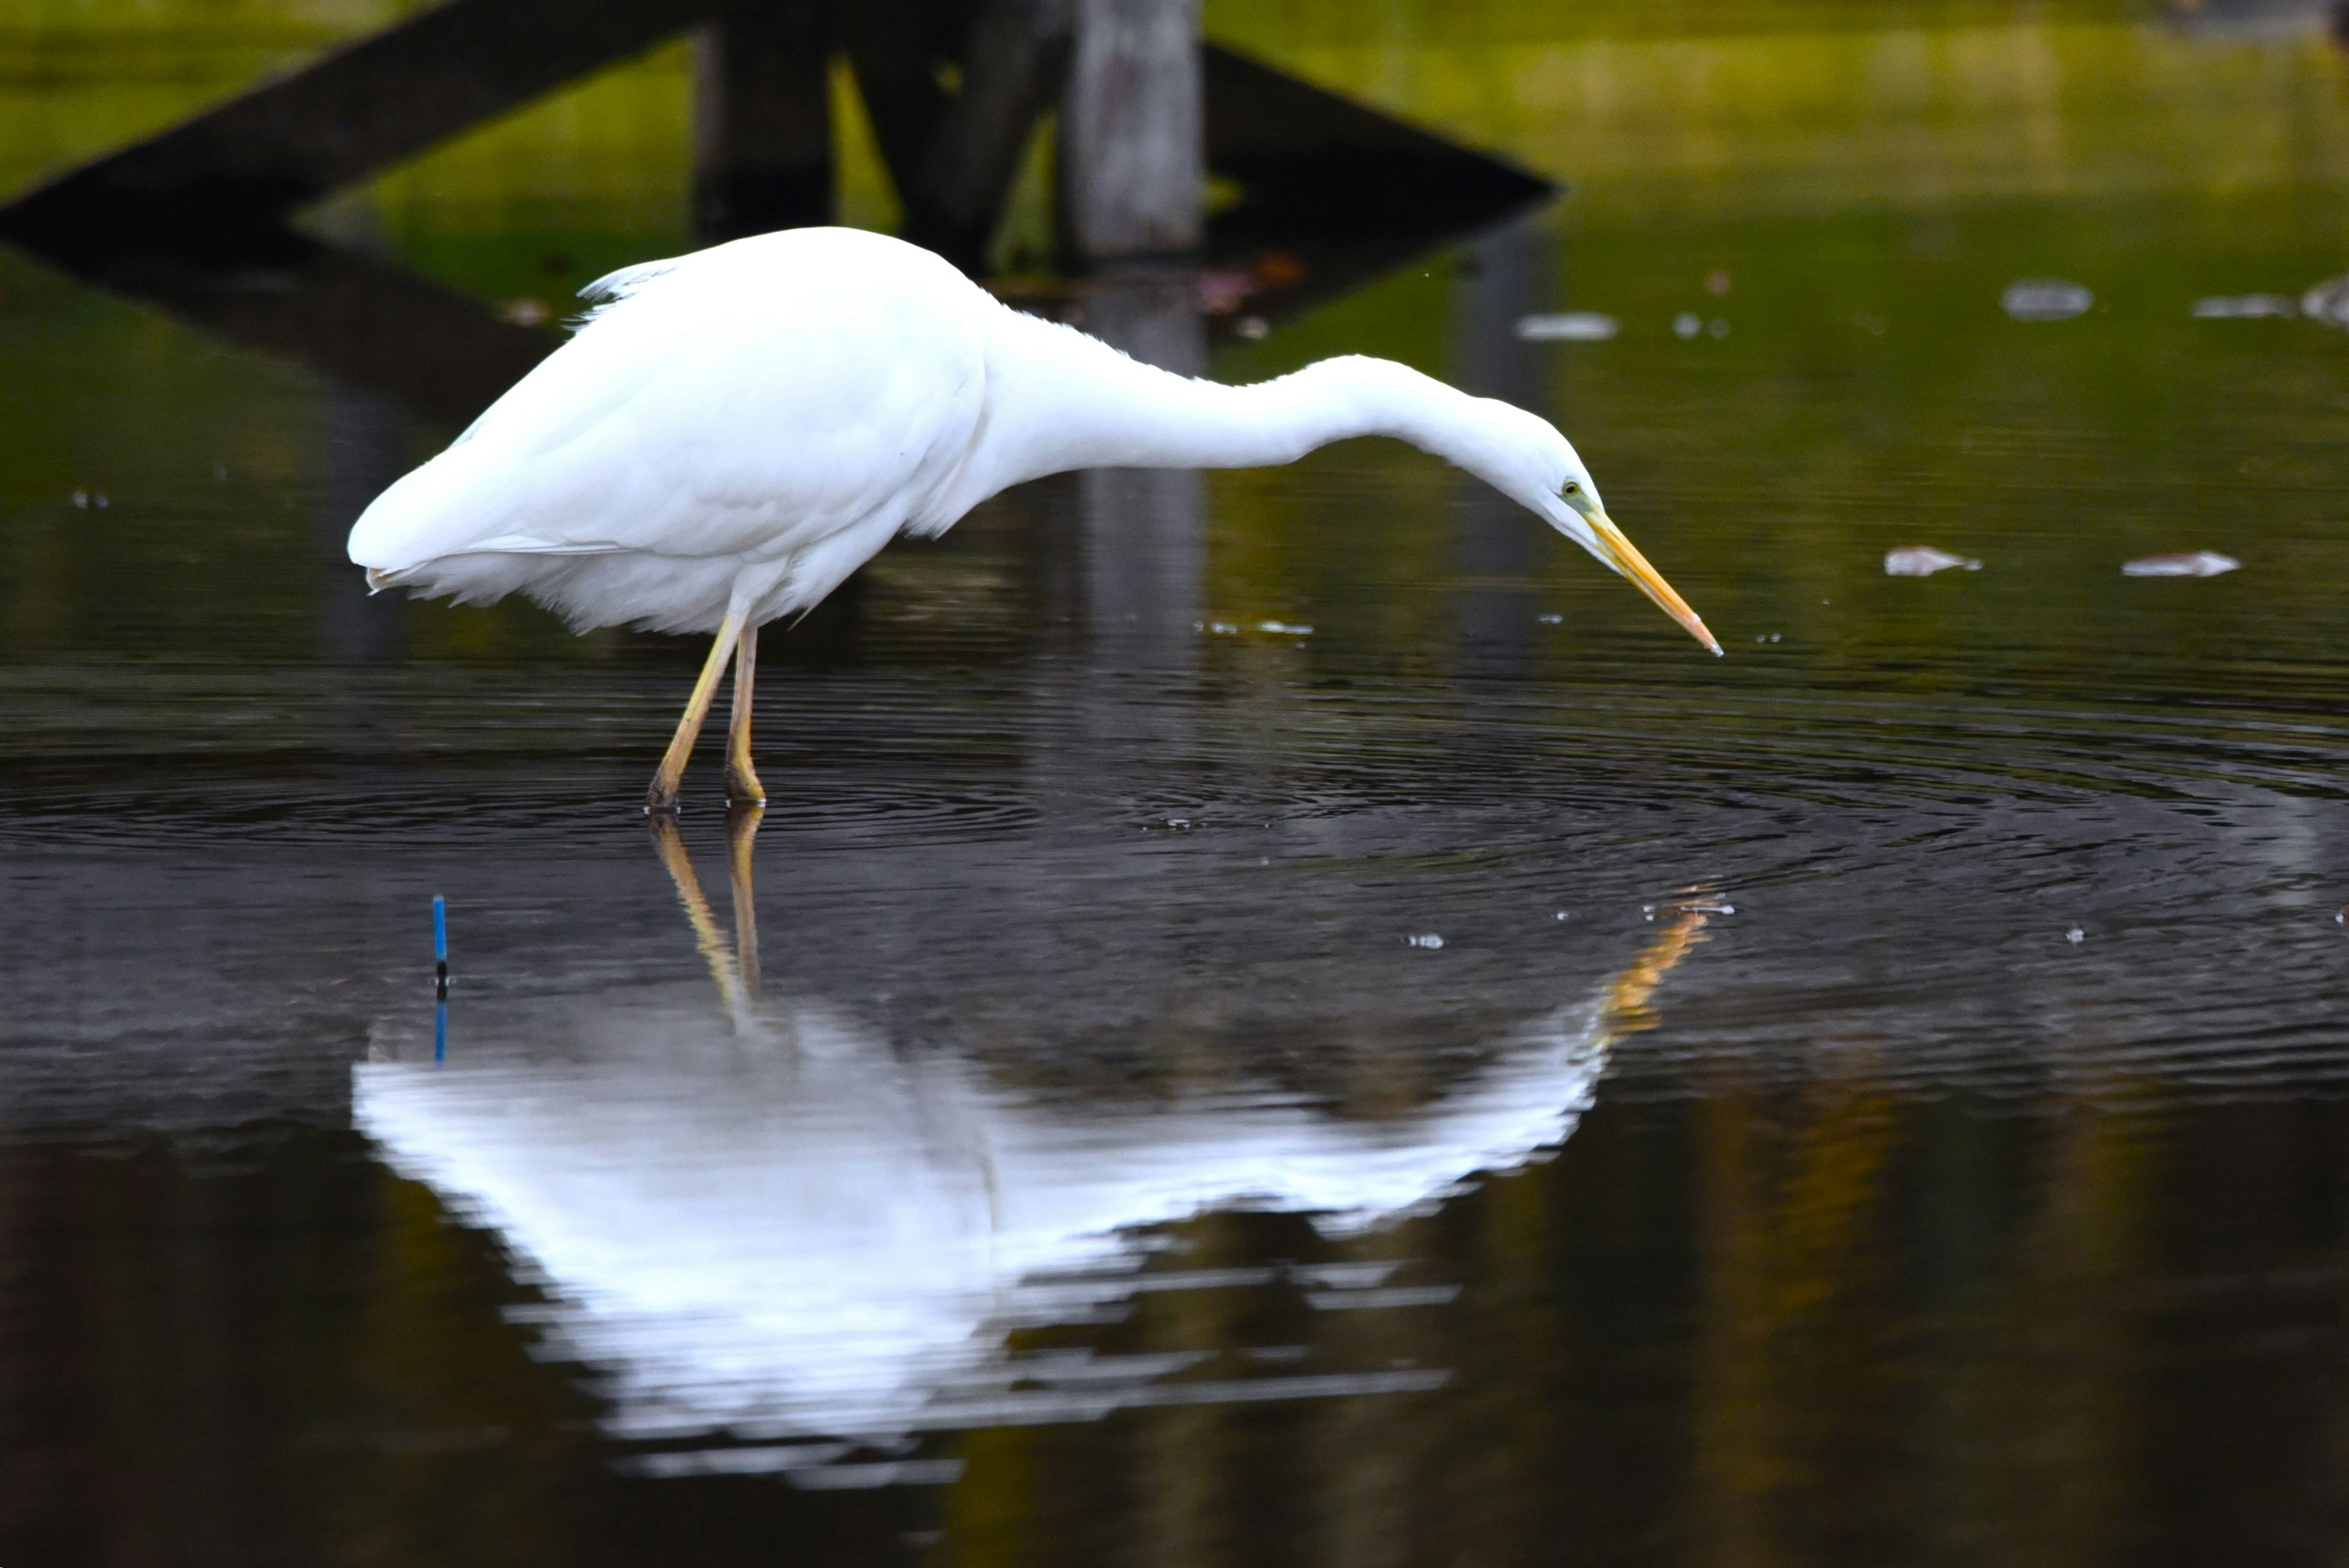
1273, 1016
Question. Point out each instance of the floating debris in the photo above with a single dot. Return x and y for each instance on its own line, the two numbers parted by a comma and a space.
2076, 935
1687, 324
2328, 302
2244, 307
1551, 619
2184, 563
1424, 940
1568, 326
2339, 916
1221, 292
2045, 299
1561, 914
1284, 628
1179, 823
1216, 627
1923, 560
1708, 906
1769, 637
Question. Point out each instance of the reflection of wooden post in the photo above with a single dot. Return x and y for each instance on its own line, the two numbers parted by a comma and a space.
1144, 528
762, 121
1132, 132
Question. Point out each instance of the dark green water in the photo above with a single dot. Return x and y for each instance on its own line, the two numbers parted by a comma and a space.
1879, 1096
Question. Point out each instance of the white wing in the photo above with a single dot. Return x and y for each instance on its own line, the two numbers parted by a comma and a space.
738, 406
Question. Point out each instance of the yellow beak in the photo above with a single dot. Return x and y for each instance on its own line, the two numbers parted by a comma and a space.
1624, 557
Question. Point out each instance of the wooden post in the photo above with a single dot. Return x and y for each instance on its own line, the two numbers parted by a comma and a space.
762, 120
1132, 132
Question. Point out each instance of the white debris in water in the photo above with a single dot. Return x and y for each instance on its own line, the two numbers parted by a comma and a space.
2076, 935
2244, 307
2184, 563
1551, 619
2328, 302
2045, 299
1424, 940
1284, 628
1708, 906
1687, 324
1216, 627
1923, 560
1561, 914
1568, 326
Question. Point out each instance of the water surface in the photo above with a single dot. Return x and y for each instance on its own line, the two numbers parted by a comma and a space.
1879, 1093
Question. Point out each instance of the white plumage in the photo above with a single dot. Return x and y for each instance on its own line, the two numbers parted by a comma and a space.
731, 434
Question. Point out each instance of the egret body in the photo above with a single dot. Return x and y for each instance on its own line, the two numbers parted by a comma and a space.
731, 433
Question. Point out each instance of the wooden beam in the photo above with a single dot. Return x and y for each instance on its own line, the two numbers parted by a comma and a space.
900, 49
1314, 165
762, 152
1012, 64
347, 117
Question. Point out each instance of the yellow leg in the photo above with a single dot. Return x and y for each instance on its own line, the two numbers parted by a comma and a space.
662, 797
742, 785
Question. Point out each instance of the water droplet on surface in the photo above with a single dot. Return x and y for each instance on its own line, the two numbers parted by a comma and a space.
2244, 307
1424, 940
2076, 935
1923, 560
2182, 564
2045, 299
1568, 326
2328, 302
1687, 324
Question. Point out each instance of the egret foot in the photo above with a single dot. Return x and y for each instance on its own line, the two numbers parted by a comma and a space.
742, 785
660, 800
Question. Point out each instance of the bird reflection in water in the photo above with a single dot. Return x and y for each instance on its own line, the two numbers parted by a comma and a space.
777, 1237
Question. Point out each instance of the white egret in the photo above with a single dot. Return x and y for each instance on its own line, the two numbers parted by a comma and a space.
731, 433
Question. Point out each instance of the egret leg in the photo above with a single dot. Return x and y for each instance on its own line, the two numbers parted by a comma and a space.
661, 798
742, 785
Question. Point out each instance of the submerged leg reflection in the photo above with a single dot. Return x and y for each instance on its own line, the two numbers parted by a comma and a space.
736, 972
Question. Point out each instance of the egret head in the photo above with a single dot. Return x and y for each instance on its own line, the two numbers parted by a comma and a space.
1539, 468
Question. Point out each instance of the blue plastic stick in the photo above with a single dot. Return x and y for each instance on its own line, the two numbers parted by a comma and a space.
440, 944
440, 1032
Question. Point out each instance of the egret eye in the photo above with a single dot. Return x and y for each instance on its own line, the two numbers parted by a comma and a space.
1572, 488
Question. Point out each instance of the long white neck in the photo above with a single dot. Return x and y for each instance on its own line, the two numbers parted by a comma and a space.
1058, 400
